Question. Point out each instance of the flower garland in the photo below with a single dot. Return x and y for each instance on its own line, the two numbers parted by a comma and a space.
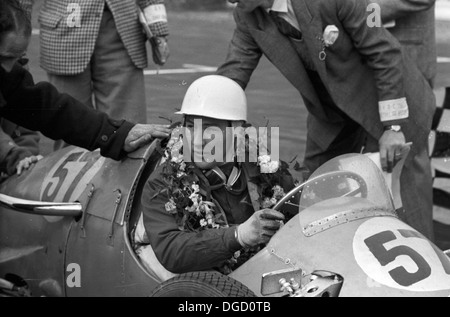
186, 203
274, 178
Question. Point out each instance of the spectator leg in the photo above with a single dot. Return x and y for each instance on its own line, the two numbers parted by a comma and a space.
118, 84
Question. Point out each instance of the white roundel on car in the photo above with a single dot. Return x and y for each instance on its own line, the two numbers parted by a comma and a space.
393, 254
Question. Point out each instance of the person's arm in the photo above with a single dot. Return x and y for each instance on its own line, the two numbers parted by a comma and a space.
382, 53
13, 158
180, 251
153, 15
394, 9
6, 146
243, 55
19, 160
58, 116
155, 12
21, 136
27, 4
27, 139
26, 153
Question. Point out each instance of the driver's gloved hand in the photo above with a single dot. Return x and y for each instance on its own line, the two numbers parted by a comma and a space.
259, 228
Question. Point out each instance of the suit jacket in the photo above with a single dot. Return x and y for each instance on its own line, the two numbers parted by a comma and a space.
67, 50
415, 29
58, 116
363, 67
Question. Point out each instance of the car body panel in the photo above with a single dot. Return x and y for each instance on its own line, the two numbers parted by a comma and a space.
108, 269
97, 242
358, 238
340, 250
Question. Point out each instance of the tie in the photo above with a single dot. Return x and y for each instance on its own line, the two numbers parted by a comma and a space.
285, 27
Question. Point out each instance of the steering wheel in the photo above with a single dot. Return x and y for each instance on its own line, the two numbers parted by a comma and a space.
362, 189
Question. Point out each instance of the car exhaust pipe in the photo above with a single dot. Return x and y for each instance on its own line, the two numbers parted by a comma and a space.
6, 285
42, 208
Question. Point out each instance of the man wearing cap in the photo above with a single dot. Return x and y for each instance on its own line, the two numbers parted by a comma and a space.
361, 92
225, 188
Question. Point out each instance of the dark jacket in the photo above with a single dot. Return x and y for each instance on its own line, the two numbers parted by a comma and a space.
41, 107
180, 251
364, 66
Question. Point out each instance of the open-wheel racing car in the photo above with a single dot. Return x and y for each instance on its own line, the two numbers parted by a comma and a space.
69, 227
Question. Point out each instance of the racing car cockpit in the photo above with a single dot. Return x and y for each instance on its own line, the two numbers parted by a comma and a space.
72, 226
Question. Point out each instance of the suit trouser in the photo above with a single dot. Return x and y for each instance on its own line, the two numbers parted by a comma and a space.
111, 83
416, 180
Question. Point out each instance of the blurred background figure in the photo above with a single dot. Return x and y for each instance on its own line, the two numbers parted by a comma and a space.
95, 50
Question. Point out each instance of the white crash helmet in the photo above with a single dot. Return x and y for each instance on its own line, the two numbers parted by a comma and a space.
216, 97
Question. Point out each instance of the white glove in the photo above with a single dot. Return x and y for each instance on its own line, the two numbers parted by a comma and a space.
260, 227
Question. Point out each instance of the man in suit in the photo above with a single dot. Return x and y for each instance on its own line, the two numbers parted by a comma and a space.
95, 51
360, 90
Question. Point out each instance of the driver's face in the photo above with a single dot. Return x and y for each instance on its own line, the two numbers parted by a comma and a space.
250, 5
198, 141
12, 48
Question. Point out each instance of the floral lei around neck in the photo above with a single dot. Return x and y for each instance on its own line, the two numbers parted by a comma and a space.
187, 201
